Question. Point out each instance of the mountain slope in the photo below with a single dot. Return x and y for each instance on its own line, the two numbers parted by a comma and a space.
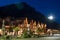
24, 10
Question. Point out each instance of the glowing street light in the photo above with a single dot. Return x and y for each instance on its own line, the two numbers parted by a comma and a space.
50, 17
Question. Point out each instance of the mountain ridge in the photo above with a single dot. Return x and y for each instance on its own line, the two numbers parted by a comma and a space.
24, 10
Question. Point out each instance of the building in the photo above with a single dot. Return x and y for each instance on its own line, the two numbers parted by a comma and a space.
25, 24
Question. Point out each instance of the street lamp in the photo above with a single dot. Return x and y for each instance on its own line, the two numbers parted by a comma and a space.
51, 17
3, 28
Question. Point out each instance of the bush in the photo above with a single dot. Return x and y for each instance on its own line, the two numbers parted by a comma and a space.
26, 35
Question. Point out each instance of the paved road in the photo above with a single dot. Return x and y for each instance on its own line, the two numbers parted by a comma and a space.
42, 38
56, 35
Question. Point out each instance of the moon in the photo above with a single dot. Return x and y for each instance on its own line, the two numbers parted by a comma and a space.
50, 17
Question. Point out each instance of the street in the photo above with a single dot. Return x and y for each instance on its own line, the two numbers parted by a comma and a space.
42, 38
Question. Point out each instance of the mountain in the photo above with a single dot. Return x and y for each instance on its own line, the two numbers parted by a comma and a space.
24, 10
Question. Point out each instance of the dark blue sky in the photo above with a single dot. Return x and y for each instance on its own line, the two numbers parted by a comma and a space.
46, 7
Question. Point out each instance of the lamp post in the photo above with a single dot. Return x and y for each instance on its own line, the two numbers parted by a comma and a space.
3, 26
51, 21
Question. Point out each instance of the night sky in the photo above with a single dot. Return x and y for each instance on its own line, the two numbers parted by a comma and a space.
46, 7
